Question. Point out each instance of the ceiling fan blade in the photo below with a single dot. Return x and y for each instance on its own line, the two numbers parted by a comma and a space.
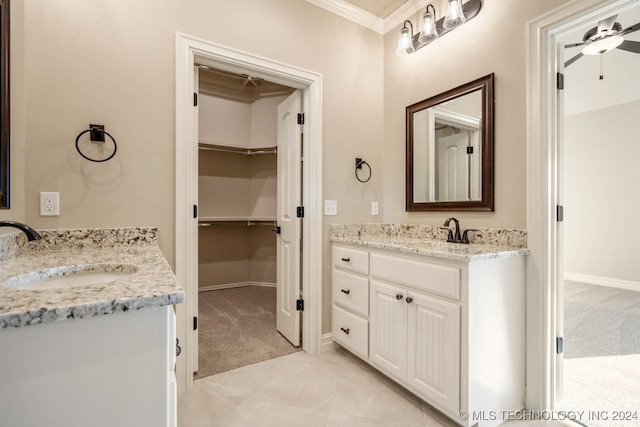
572, 60
607, 24
630, 29
630, 46
574, 45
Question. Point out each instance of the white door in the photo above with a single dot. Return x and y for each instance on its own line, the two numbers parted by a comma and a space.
289, 198
388, 329
453, 167
193, 269
434, 349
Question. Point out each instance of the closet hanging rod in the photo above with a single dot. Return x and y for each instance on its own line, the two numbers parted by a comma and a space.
243, 151
245, 223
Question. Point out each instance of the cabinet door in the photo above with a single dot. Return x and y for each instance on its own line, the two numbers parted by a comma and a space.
388, 329
434, 349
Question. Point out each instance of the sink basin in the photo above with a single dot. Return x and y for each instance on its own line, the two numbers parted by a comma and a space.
70, 276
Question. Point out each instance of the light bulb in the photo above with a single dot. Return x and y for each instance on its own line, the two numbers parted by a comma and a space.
454, 16
405, 44
603, 45
429, 31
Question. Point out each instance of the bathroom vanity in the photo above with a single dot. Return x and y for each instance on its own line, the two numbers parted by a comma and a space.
98, 352
446, 321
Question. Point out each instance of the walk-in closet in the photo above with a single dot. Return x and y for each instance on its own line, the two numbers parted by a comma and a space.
237, 207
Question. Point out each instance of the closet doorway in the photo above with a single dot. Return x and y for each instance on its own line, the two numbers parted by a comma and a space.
249, 186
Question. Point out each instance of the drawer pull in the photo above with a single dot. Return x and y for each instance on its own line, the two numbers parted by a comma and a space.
409, 300
346, 331
399, 297
346, 292
346, 259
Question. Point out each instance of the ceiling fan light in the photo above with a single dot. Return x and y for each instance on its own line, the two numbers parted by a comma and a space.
603, 45
429, 31
454, 16
405, 42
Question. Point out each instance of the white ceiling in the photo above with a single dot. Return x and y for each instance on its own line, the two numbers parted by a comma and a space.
584, 91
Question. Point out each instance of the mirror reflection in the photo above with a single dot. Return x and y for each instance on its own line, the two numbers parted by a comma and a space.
449, 150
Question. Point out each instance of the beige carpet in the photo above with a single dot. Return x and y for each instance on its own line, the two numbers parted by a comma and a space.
237, 327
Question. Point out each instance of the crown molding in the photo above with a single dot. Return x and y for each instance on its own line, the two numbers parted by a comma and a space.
369, 20
352, 13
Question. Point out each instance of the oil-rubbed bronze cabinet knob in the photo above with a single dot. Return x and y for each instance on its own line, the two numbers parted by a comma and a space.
399, 297
409, 300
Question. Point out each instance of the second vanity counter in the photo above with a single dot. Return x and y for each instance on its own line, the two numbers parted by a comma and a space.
152, 284
431, 241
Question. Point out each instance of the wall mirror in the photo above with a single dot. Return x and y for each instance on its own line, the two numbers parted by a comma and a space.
4, 104
450, 150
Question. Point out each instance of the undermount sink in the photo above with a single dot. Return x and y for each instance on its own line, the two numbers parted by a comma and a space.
70, 276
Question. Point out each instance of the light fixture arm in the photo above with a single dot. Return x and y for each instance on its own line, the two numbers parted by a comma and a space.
470, 9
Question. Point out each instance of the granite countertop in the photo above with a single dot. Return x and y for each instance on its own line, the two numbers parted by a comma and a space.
153, 284
431, 241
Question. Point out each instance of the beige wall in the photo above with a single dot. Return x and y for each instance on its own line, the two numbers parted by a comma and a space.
112, 63
493, 42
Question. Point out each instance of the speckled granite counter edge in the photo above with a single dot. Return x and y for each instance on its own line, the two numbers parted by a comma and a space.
482, 236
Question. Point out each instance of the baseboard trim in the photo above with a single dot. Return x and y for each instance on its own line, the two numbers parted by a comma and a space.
328, 343
235, 285
602, 281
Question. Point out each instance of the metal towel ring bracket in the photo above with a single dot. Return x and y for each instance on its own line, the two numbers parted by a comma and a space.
359, 163
96, 130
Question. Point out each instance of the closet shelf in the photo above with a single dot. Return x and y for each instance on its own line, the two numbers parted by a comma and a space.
248, 221
202, 145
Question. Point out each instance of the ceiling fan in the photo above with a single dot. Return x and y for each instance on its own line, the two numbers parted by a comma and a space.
608, 35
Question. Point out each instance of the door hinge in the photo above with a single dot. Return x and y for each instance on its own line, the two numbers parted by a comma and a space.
195, 99
470, 150
300, 305
300, 118
559, 213
560, 81
195, 323
195, 211
300, 211
559, 345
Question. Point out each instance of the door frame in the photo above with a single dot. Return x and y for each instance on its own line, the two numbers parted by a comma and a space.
542, 191
189, 50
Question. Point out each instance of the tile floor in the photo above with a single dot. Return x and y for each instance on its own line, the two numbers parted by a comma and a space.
331, 390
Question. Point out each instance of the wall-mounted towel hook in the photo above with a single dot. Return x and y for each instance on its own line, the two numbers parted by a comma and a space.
97, 135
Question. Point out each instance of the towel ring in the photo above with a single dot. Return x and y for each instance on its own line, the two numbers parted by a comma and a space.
359, 163
96, 129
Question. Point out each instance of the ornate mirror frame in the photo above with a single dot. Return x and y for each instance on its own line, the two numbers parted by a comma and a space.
485, 85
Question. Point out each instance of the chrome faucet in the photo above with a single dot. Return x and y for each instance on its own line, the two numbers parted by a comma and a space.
30, 232
454, 236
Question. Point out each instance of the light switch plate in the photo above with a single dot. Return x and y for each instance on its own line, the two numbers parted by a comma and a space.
331, 207
374, 208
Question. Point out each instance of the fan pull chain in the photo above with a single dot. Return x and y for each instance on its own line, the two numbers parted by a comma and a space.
601, 67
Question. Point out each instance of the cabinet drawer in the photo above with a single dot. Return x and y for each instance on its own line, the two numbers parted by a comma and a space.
351, 259
351, 292
351, 331
434, 278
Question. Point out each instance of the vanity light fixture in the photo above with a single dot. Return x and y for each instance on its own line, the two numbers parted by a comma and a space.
432, 28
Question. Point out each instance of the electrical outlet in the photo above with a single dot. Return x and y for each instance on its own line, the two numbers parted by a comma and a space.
374, 208
49, 204
331, 207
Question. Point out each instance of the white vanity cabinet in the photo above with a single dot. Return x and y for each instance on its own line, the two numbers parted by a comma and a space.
451, 331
